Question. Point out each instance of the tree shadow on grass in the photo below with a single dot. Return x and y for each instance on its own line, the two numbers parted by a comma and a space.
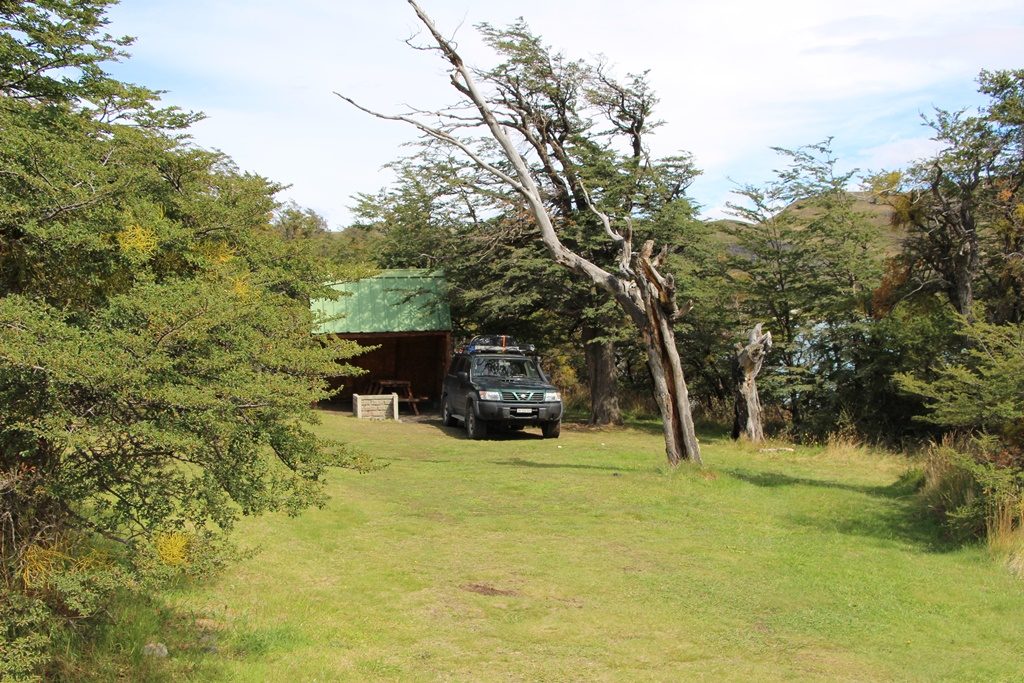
520, 462
898, 489
895, 515
648, 426
113, 648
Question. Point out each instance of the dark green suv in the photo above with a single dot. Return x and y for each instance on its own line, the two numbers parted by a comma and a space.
499, 385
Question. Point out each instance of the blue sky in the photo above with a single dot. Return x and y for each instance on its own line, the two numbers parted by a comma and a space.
735, 77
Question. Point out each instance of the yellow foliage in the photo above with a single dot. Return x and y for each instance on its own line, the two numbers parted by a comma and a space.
218, 253
40, 564
241, 289
886, 183
562, 373
137, 239
173, 547
902, 208
1018, 212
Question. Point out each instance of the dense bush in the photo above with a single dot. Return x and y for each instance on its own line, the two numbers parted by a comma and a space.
975, 494
981, 390
156, 363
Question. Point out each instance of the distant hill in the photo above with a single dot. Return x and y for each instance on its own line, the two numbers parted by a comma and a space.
879, 215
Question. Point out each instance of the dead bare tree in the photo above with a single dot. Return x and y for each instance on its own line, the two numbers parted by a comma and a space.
642, 291
746, 366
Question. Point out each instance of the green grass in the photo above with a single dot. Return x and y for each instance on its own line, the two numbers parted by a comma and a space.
585, 558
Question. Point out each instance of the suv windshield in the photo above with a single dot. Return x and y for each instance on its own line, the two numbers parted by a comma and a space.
505, 368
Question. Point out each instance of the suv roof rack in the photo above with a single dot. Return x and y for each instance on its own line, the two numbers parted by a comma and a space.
497, 343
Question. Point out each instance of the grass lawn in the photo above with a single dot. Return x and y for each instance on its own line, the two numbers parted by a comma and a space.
586, 558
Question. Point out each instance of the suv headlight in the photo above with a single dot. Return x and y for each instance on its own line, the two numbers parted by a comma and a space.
550, 396
486, 395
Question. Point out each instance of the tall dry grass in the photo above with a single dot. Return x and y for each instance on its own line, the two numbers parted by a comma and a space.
975, 497
1005, 533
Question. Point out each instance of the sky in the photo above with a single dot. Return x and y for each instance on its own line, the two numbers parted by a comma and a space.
734, 77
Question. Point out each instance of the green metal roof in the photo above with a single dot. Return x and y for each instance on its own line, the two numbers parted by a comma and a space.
392, 301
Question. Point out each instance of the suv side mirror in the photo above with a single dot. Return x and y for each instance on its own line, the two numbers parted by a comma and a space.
462, 375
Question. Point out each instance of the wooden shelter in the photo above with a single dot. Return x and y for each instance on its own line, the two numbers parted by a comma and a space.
405, 315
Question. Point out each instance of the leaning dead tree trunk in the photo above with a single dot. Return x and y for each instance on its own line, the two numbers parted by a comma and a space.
658, 294
647, 296
746, 366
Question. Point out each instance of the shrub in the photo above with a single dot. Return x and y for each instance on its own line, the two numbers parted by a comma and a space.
156, 362
973, 493
981, 391
26, 623
63, 584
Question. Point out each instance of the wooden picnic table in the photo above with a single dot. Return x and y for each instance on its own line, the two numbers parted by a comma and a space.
398, 386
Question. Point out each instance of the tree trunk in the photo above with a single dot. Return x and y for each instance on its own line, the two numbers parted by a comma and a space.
965, 265
746, 366
796, 413
670, 390
602, 378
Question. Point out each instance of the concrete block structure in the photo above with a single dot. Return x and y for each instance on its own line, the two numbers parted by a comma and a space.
375, 406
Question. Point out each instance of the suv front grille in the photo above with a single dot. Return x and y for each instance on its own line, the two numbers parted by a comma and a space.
524, 396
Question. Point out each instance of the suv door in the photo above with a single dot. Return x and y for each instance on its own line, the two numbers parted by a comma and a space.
456, 387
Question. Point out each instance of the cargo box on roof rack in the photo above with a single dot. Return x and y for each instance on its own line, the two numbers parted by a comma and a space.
498, 343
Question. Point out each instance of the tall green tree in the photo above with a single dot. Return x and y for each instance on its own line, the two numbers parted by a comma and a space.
805, 262
156, 363
961, 206
963, 210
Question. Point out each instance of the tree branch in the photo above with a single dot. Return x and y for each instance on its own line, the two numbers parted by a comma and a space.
443, 136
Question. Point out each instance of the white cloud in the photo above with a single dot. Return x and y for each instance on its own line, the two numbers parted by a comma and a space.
735, 77
895, 153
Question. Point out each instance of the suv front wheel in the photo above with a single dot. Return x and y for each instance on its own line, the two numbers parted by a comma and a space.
475, 427
551, 430
446, 413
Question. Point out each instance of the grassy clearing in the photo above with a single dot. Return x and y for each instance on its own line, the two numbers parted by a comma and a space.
587, 559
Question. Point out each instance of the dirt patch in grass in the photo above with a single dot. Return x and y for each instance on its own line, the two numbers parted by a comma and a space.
484, 589
209, 625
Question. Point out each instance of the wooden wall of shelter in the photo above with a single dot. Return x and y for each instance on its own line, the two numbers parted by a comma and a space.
417, 357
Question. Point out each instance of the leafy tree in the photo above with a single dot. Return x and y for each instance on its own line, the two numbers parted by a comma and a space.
806, 262
156, 366
1005, 290
915, 336
309, 239
982, 391
961, 210
293, 222
961, 207
54, 51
